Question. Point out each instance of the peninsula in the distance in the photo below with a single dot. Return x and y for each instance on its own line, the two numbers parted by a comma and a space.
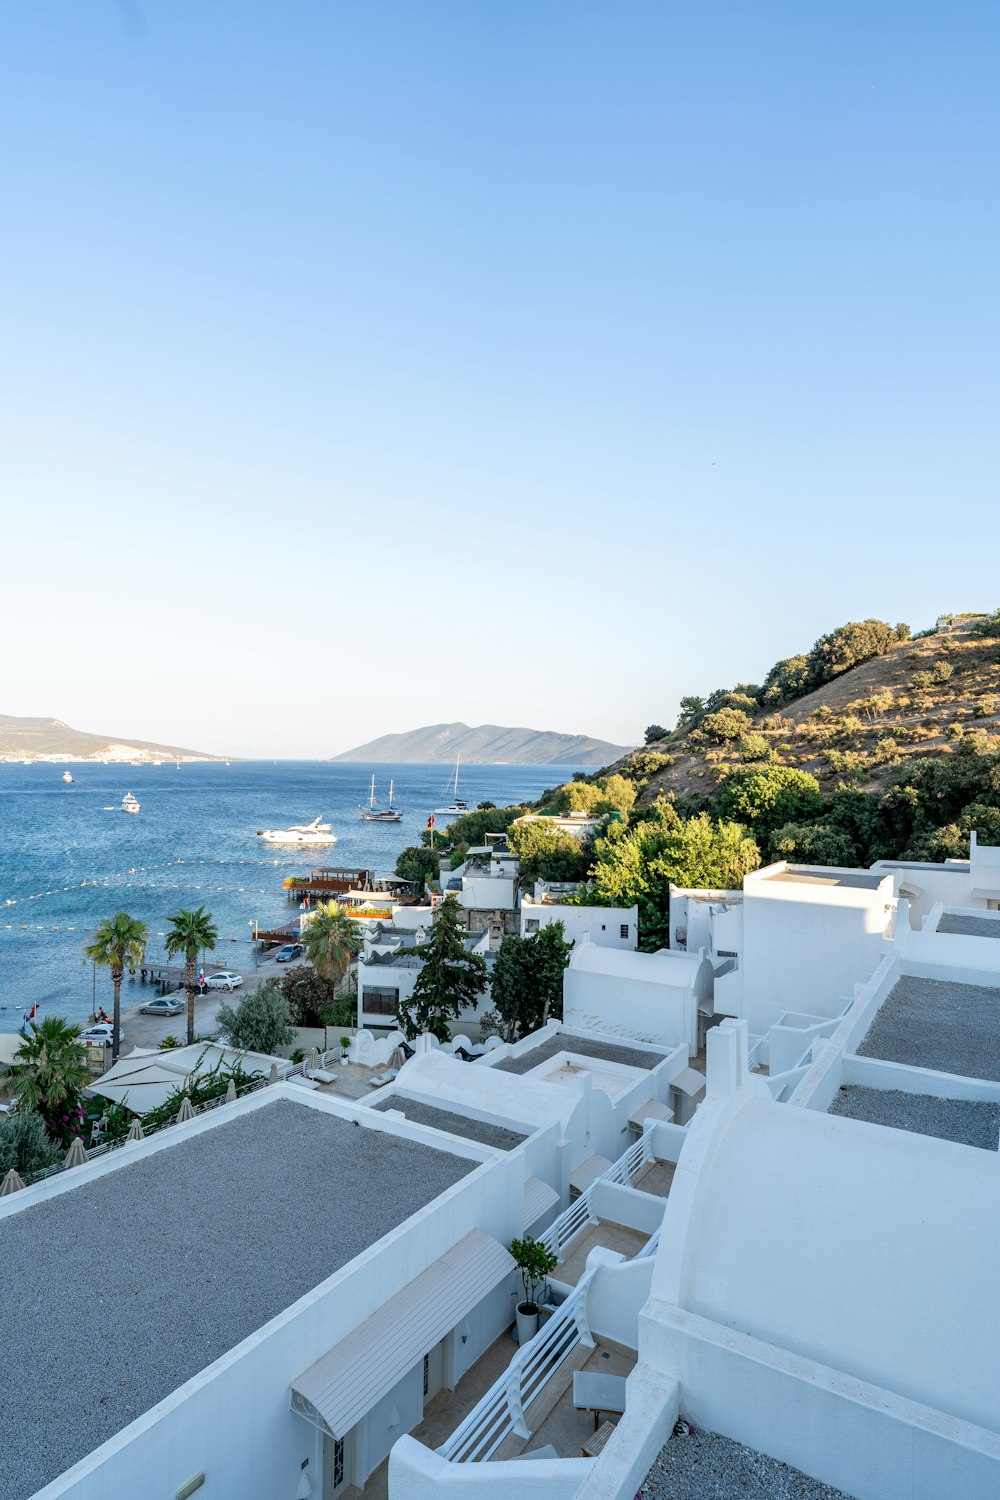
486, 744
42, 739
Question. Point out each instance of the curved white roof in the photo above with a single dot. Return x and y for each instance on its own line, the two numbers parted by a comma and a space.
668, 966
870, 1250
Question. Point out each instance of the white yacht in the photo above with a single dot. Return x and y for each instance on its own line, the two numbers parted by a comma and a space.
129, 804
68, 778
373, 814
457, 807
314, 833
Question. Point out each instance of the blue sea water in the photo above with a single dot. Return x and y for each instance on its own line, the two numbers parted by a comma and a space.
69, 856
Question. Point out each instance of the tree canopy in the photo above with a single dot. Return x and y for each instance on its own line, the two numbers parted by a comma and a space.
450, 980
547, 852
260, 1022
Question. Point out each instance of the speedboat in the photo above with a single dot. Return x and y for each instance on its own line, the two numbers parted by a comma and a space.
373, 814
299, 833
67, 777
129, 804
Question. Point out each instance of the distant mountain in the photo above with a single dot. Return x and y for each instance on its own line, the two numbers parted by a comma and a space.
34, 739
487, 744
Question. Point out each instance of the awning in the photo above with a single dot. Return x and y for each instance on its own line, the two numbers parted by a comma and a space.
538, 1197
337, 1391
651, 1110
689, 1081
587, 1172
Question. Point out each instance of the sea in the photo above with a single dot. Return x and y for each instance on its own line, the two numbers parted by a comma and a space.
69, 856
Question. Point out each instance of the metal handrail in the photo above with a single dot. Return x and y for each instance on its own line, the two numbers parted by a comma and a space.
572, 1219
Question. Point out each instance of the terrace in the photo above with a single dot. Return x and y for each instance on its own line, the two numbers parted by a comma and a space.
519, 1401
970, 1122
275, 1177
938, 1024
581, 1046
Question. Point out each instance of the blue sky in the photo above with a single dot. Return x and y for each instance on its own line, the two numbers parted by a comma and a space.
524, 363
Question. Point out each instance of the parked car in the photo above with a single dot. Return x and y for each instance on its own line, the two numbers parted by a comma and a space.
162, 1007
103, 1031
226, 980
288, 952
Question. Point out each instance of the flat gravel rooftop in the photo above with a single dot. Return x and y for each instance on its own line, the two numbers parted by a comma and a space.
446, 1119
939, 1024
705, 1466
606, 1051
970, 1122
970, 926
119, 1290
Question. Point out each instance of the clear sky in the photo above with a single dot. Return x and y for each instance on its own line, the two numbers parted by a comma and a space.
369, 364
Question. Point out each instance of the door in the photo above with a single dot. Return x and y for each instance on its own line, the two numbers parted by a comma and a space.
433, 1373
337, 1470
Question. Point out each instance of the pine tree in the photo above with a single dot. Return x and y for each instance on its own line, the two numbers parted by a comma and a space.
450, 978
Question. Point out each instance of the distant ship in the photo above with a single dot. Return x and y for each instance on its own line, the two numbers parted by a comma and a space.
314, 833
67, 778
129, 804
373, 814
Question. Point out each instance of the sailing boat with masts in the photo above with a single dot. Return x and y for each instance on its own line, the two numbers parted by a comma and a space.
375, 814
458, 807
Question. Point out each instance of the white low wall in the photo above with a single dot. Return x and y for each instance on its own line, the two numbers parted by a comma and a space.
862, 1439
874, 1073
652, 1405
615, 1298
416, 1473
629, 1206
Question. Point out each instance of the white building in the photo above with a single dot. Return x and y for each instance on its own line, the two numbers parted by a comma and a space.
607, 926
648, 997
486, 886
388, 966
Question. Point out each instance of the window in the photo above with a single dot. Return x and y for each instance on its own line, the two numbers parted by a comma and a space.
531, 925
338, 1461
427, 1373
623, 932
379, 1002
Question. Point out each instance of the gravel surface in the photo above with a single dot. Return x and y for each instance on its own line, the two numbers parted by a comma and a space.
119, 1290
446, 1119
607, 1051
970, 1123
935, 1023
705, 1466
970, 926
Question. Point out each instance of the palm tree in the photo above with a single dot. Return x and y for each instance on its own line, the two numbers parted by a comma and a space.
330, 940
120, 940
190, 933
49, 1072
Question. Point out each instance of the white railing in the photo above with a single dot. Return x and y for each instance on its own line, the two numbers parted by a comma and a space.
569, 1223
501, 1412
753, 1052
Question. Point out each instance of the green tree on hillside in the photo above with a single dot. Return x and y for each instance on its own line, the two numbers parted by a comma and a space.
769, 796
546, 852
118, 944
450, 979
655, 732
191, 933
635, 865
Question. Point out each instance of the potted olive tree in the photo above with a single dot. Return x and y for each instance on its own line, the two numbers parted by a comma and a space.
345, 1048
536, 1262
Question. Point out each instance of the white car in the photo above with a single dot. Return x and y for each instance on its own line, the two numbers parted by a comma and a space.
104, 1032
224, 981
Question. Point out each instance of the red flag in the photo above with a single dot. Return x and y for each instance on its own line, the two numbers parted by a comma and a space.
430, 821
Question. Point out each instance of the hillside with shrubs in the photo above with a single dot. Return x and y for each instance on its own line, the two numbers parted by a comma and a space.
873, 744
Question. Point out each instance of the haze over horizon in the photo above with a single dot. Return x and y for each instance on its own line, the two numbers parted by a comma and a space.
370, 367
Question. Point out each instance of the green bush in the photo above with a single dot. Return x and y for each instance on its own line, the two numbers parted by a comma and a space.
755, 747
726, 725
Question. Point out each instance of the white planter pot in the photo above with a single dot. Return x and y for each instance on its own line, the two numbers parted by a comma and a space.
527, 1324
344, 1061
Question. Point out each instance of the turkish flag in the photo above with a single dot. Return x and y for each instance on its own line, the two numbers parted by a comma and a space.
430, 821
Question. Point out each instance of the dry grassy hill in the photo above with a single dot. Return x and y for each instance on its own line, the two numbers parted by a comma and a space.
922, 698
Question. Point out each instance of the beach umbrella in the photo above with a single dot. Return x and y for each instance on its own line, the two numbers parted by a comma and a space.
272, 1077
231, 1092
135, 1131
75, 1156
312, 1061
397, 1059
11, 1184
185, 1112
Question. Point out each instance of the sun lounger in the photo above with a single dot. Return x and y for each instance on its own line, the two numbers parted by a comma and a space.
595, 1392
380, 1079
